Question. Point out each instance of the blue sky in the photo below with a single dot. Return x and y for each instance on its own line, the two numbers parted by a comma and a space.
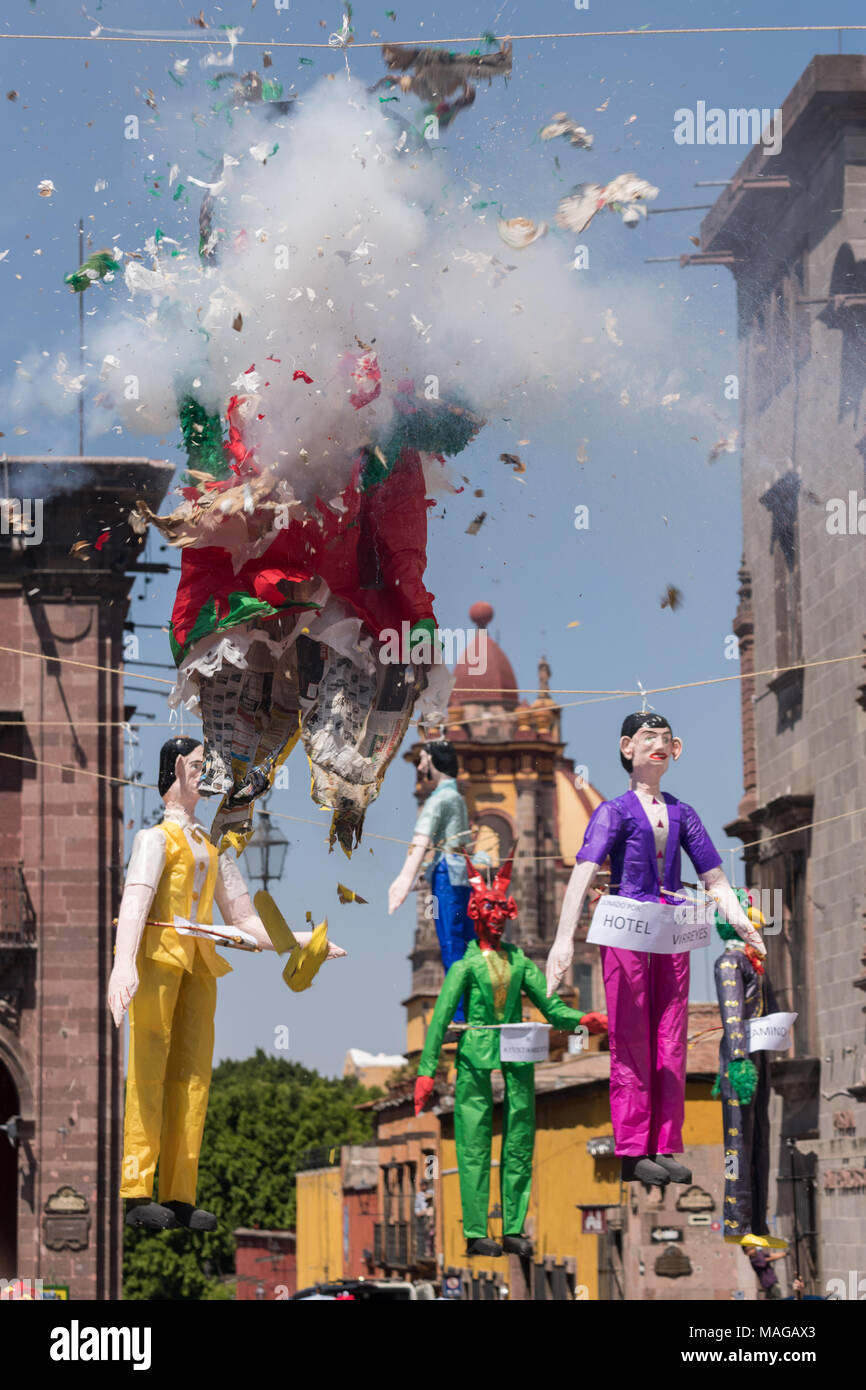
528, 560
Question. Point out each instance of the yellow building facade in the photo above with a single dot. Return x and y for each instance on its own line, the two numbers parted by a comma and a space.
319, 1226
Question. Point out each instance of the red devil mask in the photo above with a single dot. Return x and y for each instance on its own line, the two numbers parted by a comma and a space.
490, 906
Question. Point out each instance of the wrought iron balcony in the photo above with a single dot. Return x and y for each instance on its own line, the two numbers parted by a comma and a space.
17, 917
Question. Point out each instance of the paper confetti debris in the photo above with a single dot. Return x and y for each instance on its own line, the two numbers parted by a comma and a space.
610, 327
515, 461
624, 194
726, 445
99, 266
45, 188
672, 598
519, 232
348, 895
475, 526
562, 125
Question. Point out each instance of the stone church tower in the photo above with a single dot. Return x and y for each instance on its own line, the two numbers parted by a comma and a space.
61, 860
519, 787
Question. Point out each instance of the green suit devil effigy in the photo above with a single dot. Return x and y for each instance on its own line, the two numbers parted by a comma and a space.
491, 979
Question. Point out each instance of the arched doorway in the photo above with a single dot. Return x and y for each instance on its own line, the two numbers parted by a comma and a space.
9, 1106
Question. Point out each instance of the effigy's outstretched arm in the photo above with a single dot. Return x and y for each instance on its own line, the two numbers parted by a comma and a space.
562, 950
405, 880
729, 906
233, 900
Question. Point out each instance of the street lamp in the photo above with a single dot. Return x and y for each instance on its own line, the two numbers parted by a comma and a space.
266, 851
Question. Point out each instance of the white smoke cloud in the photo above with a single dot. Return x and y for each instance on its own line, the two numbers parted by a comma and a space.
333, 233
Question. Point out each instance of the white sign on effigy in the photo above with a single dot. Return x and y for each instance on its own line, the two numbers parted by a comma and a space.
524, 1042
770, 1034
658, 928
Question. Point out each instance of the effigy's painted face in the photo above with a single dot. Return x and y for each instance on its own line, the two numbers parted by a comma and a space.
490, 905
651, 750
490, 908
188, 770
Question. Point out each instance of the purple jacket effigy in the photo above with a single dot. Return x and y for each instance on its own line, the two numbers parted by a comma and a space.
647, 995
620, 829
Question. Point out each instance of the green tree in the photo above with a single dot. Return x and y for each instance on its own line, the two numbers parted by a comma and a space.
263, 1113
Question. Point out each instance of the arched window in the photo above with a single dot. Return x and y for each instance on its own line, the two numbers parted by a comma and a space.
495, 836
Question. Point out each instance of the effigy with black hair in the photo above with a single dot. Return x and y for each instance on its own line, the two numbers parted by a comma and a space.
751, 1027
165, 970
645, 931
443, 827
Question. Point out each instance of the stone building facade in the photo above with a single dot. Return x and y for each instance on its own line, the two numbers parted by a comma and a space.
792, 229
61, 860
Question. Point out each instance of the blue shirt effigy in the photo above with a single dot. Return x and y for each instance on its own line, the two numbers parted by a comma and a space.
444, 819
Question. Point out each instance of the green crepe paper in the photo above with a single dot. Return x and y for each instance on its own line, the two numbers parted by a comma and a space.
243, 608
717, 1086
432, 428
99, 264
424, 627
743, 1076
725, 930
204, 446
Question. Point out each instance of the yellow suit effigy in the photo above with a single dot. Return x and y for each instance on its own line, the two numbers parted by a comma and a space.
171, 1025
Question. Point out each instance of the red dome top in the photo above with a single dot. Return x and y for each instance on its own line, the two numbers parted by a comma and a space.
481, 614
496, 684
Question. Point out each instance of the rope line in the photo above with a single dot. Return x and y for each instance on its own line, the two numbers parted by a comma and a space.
223, 40
618, 694
88, 723
87, 665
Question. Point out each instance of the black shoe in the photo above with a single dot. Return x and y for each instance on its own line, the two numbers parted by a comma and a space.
646, 1171
677, 1171
194, 1218
141, 1211
517, 1245
483, 1246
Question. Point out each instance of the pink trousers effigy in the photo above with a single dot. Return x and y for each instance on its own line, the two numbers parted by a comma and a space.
648, 1015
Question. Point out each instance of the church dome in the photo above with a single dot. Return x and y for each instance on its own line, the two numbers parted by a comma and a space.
496, 684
